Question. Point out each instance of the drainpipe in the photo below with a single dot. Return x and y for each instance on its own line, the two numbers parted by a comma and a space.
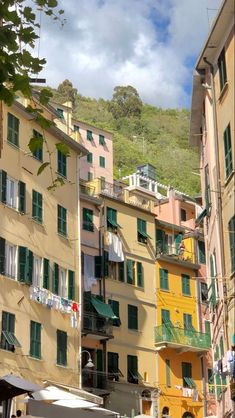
80, 295
219, 201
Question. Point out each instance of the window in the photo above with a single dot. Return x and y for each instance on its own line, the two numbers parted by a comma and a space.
63, 289
89, 176
89, 157
8, 339
130, 271
37, 271
211, 383
35, 339
204, 292
37, 212
60, 113
222, 69
168, 373
165, 316
25, 265
102, 161
11, 192
231, 230
207, 190
13, 130
113, 369
115, 307
87, 219
61, 220
61, 348
61, 164
55, 281
185, 280
71, 285
164, 284
121, 272
188, 325
140, 276
228, 151
101, 140
112, 219
76, 128
11, 260
46, 273
132, 369
142, 235
89, 135
187, 375
183, 215
38, 152
132, 317
201, 252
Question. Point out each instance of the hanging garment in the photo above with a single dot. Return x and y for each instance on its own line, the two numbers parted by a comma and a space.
73, 320
187, 392
194, 395
115, 248
89, 272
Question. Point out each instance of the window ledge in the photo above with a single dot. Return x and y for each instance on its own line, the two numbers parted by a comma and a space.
62, 176
228, 179
187, 296
65, 237
223, 91
36, 159
134, 331
63, 366
164, 290
38, 223
35, 358
16, 147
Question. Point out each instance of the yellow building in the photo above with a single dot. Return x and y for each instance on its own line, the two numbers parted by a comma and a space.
39, 252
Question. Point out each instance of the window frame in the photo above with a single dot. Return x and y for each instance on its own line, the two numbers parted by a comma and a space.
201, 252
183, 215
185, 285
89, 135
12, 199
102, 161
102, 140
89, 158
115, 305
8, 338
132, 372
10, 268
37, 271
222, 69
142, 236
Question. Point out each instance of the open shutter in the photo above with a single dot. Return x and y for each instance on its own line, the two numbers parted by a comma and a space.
160, 245
98, 266
21, 192
22, 270
3, 186
164, 279
178, 239
29, 266
55, 284
46, 273
106, 263
2, 255
71, 289
129, 271
140, 280
121, 274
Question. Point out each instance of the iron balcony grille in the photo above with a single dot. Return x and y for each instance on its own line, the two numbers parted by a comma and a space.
174, 252
97, 324
97, 379
181, 337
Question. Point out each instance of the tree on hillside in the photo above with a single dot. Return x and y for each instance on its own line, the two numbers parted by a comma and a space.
67, 91
125, 102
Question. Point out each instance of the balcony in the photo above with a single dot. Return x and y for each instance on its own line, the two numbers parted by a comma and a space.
114, 190
168, 336
96, 326
176, 256
96, 381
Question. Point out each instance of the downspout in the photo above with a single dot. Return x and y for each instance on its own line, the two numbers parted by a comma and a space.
219, 201
80, 295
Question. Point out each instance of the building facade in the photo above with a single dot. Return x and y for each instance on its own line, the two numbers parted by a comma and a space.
212, 130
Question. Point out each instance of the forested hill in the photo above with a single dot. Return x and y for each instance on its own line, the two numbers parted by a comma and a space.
142, 134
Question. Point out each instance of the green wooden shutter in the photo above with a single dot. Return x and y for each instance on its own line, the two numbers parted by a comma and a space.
35, 339
106, 263
38, 152
55, 283
140, 278
213, 288
132, 317
2, 255
207, 190
222, 69
115, 307
129, 271
29, 266
61, 348
21, 193
89, 157
160, 245
228, 151
185, 280
22, 263
102, 162
61, 220
87, 215
231, 229
13, 130
37, 206
71, 287
164, 283
46, 273
132, 369
98, 266
165, 316
61, 164
221, 344
3, 186
121, 272
186, 373
201, 250
208, 328
168, 373
178, 239
113, 362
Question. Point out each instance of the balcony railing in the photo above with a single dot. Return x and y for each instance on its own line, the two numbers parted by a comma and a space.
176, 337
95, 324
87, 190
96, 380
112, 189
175, 253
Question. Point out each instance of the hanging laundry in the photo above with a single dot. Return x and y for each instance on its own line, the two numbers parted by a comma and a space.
75, 307
194, 395
89, 272
73, 320
115, 248
187, 392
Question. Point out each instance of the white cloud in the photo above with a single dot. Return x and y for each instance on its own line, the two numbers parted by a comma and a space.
145, 43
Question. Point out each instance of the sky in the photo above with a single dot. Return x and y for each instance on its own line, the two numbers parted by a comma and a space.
149, 44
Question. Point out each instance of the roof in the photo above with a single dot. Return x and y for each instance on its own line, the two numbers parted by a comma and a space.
76, 146
76, 122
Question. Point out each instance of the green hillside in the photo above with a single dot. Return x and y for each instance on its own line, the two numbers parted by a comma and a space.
158, 136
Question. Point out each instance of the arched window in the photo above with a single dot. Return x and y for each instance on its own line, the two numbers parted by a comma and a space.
146, 393
187, 415
165, 412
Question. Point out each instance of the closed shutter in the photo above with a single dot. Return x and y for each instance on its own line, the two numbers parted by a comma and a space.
55, 283
185, 279
46, 273
37, 206
22, 270
228, 151
62, 220
98, 266
106, 263
178, 239
71, 287
61, 348
115, 307
221, 344
208, 328
201, 250
121, 273
132, 317
129, 271
160, 245
35, 339
3, 186
29, 266
231, 229
207, 190
140, 279
212, 286
21, 192
164, 284
165, 316
13, 130
62, 164
2, 255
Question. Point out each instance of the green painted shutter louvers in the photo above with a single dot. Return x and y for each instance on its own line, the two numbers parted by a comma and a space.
164, 284
129, 271
22, 200
2, 255
106, 263
46, 273
140, 279
55, 283
71, 287
3, 186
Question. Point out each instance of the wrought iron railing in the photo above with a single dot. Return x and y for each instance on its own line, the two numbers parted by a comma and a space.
97, 324
96, 379
87, 190
182, 337
175, 252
